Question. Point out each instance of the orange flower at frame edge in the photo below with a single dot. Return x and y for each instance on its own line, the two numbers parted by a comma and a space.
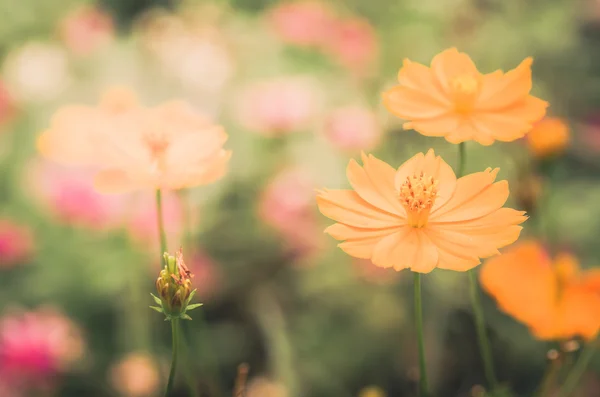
554, 298
454, 100
420, 216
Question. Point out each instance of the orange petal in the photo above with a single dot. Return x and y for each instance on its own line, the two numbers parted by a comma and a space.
362, 249
510, 123
439, 126
408, 248
500, 90
449, 64
431, 165
346, 206
420, 78
467, 130
522, 282
475, 196
450, 255
377, 186
340, 231
409, 104
580, 313
193, 148
113, 181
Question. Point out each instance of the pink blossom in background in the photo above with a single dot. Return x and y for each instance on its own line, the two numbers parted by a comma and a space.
287, 205
206, 274
279, 106
353, 128
135, 375
16, 243
7, 105
354, 44
86, 29
35, 347
590, 131
302, 23
141, 219
69, 195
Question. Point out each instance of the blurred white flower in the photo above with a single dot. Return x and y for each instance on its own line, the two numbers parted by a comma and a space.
37, 72
136, 375
263, 387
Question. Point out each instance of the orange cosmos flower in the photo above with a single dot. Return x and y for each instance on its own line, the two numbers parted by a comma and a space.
554, 298
454, 100
165, 147
548, 137
420, 216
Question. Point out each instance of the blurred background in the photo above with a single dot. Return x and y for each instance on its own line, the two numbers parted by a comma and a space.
297, 86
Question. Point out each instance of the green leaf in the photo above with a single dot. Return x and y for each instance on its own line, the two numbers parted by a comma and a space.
185, 317
189, 299
193, 306
156, 299
158, 309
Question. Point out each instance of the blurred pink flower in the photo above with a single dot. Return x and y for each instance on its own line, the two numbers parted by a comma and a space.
7, 105
206, 274
367, 271
37, 346
354, 44
70, 196
16, 243
288, 206
353, 128
135, 375
304, 23
590, 131
86, 29
279, 106
141, 219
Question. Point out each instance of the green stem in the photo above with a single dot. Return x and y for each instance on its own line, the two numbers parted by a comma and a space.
161, 223
175, 332
423, 388
482, 338
576, 373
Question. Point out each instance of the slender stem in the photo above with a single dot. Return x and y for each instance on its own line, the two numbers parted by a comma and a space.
161, 223
423, 388
576, 373
484, 343
175, 332
552, 371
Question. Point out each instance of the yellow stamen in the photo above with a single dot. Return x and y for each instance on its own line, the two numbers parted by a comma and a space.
417, 194
465, 88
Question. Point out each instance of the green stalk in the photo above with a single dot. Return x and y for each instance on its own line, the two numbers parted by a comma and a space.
161, 223
423, 387
572, 380
175, 332
482, 338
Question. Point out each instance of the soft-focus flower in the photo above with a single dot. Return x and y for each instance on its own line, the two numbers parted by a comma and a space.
263, 387
454, 100
549, 137
169, 146
206, 274
69, 195
76, 131
37, 72
353, 128
304, 23
372, 391
7, 105
287, 206
16, 243
420, 216
36, 346
277, 106
353, 43
135, 375
553, 297
364, 270
86, 29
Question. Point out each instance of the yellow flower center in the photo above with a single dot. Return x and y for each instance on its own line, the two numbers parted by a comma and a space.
417, 194
566, 269
465, 88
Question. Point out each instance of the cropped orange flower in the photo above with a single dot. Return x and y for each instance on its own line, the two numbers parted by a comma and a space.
420, 216
548, 137
165, 147
554, 298
454, 100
